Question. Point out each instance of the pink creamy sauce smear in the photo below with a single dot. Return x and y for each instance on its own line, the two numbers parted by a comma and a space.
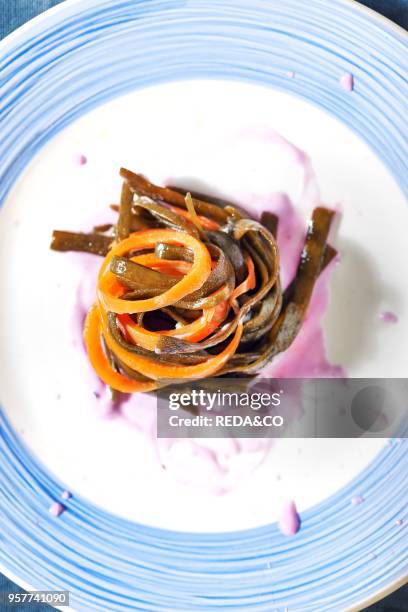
219, 465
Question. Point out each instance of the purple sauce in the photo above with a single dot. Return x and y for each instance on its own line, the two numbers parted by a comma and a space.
307, 356
66, 495
388, 317
356, 500
289, 522
347, 82
80, 159
56, 509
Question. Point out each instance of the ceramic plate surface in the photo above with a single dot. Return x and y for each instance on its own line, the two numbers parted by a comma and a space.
196, 93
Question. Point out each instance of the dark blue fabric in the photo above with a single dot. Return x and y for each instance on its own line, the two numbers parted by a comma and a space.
6, 586
14, 13
397, 10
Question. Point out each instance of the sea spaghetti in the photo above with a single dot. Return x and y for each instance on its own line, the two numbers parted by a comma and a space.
189, 288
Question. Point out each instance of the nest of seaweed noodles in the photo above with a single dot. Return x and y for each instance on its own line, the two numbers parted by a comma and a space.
189, 287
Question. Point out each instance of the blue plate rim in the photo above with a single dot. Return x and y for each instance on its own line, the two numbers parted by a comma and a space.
356, 6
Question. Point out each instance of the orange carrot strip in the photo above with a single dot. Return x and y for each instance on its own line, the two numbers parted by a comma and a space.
196, 277
205, 222
246, 285
100, 363
220, 312
192, 212
193, 332
155, 370
170, 266
150, 339
140, 336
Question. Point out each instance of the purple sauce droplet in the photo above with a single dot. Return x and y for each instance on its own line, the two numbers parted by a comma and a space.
356, 500
399, 522
56, 509
290, 74
388, 317
347, 82
66, 495
80, 159
289, 523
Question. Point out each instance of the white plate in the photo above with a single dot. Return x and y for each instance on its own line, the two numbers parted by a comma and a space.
198, 134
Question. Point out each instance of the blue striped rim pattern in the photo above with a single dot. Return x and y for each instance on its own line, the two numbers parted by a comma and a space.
341, 554
82, 55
